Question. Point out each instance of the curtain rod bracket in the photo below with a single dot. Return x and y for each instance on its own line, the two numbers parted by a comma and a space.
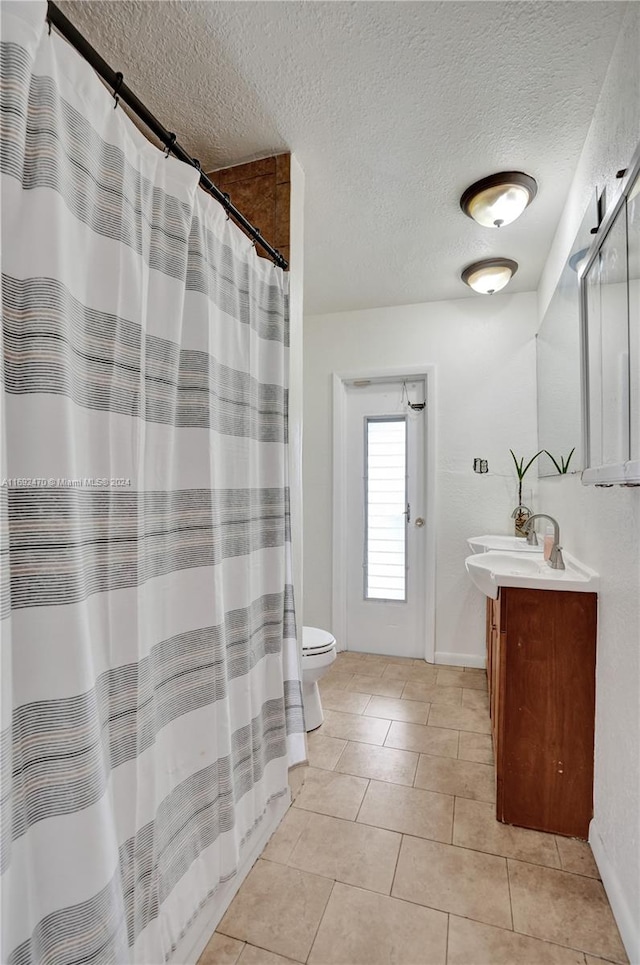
170, 143
115, 80
116, 89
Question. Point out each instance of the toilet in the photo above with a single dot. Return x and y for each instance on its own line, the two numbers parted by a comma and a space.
318, 653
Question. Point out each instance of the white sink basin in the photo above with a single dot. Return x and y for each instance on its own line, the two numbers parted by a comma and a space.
509, 544
491, 570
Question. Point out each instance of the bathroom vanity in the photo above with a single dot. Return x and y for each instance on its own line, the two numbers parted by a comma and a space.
541, 663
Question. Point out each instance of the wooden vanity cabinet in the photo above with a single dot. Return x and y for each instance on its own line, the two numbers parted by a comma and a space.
541, 663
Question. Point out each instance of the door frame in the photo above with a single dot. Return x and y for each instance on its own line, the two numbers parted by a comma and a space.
339, 548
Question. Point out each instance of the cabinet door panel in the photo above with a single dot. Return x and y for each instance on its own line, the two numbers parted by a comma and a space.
547, 709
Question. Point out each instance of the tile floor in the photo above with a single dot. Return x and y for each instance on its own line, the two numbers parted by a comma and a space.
391, 854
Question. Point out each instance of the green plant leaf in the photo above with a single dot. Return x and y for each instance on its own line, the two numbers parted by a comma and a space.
554, 462
531, 462
565, 465
517, 464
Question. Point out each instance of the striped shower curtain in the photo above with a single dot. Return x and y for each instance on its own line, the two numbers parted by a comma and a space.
151, 700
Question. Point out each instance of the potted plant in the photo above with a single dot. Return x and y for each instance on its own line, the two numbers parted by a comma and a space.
521, 513
563, 466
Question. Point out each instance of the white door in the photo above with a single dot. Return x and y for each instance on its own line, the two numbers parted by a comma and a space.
386, 536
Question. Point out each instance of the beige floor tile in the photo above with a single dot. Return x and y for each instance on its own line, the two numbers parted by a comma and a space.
477, 699
379, 763
460, 718
355, 854
297, 775
473, 747
457, 678
335, 681
344, 700
350, 662
402, 661
452, 879
475, 827
591, 960
361, 928
476, 670
576, 856
393, 708
424, 740
221, 950
258, 956
285, 838
278, 908
324, 751
564, 908
431, 694
472, 943
409, 810
381, 686
461, 778
418, 673
374, 666
330, 793
352, 727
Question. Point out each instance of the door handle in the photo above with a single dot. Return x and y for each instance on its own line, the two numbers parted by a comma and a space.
419, 521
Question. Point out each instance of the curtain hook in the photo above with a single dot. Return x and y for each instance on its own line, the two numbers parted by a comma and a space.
172, 141
227, 197
118, 85
49, 24
257, 231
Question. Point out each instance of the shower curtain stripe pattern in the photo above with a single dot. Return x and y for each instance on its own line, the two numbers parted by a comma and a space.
135, 536
68, 746
104, 191
151, 699
54, 344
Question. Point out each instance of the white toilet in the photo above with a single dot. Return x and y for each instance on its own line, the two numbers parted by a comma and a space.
318, 653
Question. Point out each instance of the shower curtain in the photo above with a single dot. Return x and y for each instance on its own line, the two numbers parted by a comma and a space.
151, 700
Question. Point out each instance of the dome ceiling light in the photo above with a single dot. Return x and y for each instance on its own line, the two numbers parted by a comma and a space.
489, 276
499, 199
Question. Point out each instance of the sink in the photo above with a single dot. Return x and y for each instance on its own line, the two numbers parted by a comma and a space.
491, 570
509, 544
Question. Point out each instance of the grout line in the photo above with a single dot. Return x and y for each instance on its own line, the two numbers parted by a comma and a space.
510, 898
446, 944
453, 819
555, 839
321, 920
395, 867
366, 791
335, 766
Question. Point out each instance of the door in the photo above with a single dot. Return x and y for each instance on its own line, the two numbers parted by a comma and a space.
385, 444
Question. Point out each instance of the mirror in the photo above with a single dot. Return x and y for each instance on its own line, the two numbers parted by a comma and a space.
610, 322
558, 359
633, 231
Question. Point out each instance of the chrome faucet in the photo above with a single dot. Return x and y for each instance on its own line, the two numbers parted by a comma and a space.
555, 560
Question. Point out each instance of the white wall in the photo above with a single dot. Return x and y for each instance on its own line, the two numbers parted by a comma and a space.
602, 528
484, 352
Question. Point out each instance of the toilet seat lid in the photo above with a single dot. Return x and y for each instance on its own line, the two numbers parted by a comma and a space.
315, 640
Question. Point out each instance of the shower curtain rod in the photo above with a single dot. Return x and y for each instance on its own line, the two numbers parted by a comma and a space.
114, 79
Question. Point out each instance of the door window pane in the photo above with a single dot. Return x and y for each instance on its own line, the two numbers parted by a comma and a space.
385, 508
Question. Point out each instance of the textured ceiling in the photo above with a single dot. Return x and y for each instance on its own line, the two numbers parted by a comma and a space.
392, 108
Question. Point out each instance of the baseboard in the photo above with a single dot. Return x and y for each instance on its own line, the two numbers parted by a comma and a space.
192, 945
460, 659
627, 922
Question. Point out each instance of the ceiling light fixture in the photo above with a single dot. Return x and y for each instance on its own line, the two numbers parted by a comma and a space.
490, 275
499, 199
